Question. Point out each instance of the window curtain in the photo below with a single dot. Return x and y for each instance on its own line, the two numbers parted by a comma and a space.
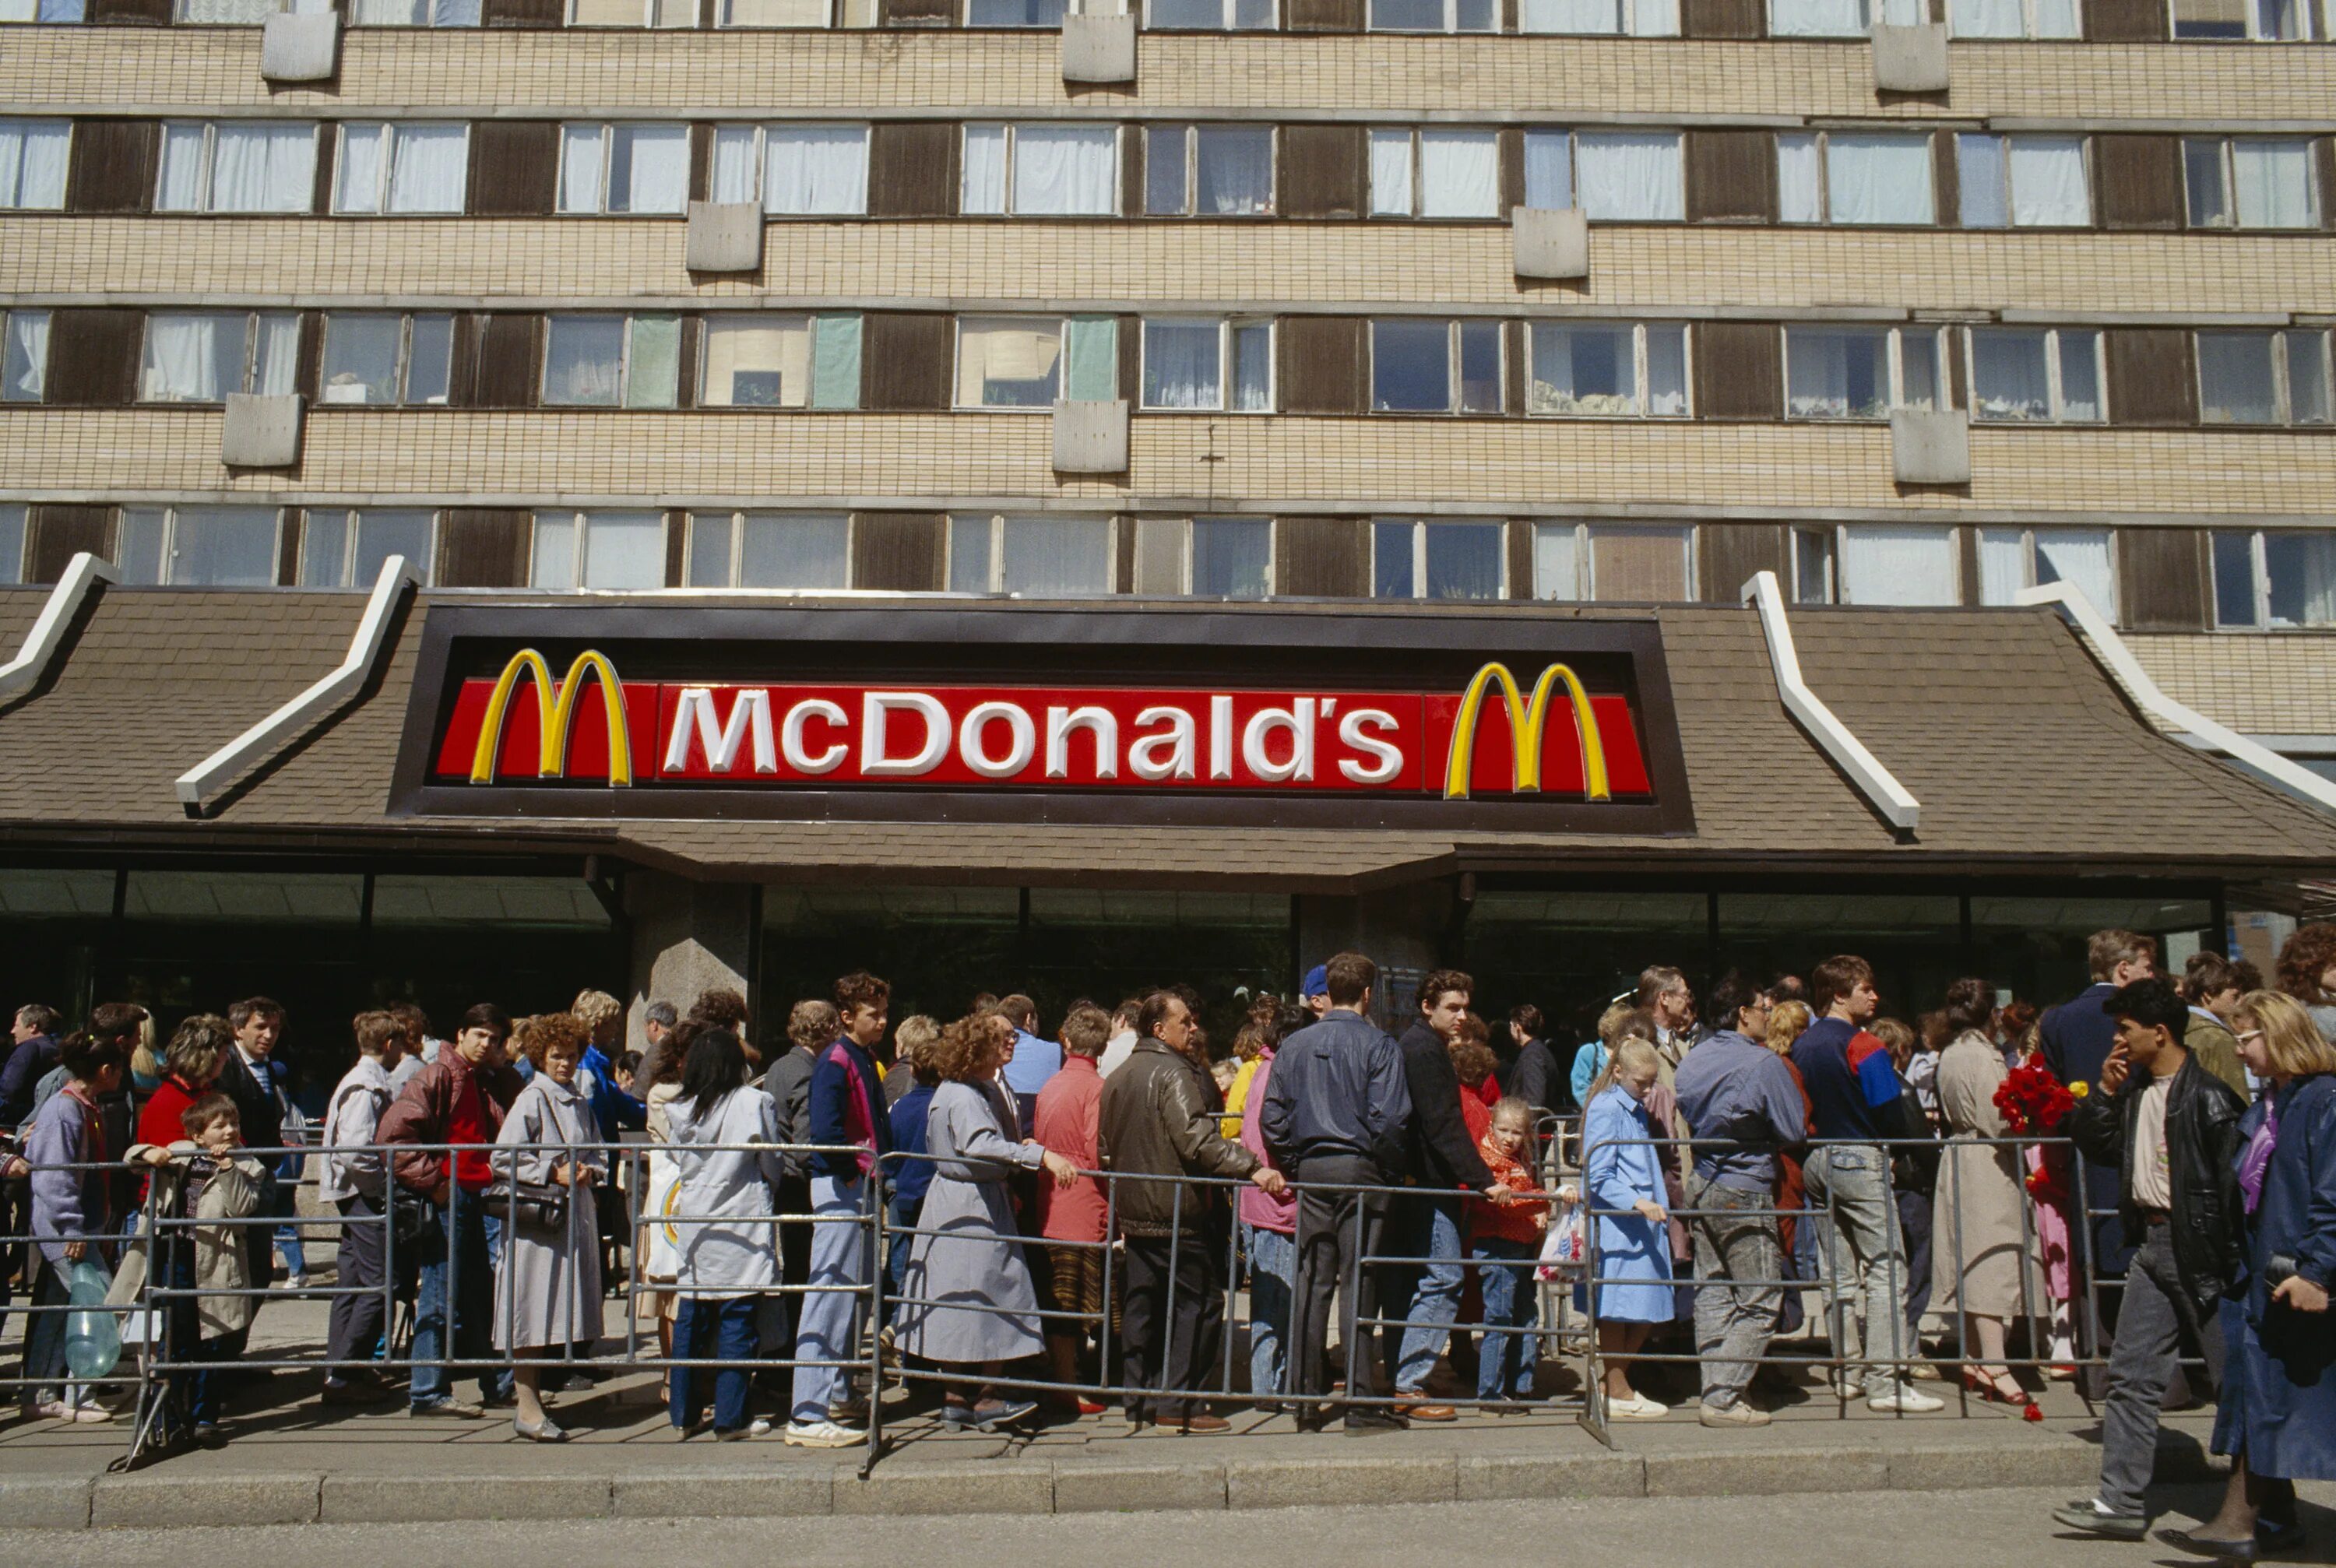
361, 358
1557, 561
553, 563
623, 549
2080, 375
26, 357
33, 163
2002, 564
1253, 374
1066, 170
1797, 197
359, 178
430, 167
1978, 178
1459, 174
1091, 359
1464, 560
1008, 364
1879, 179
1630, 176
228, 13
2048, 182
1594, 16
1837, 374
2080, 557
733, 164
138, 544
2057, 19
1654, 18
2307, 376
1233, 557
776, 13
2008, 371
1817, 18
223, 547
325, 549
1986, 18
1057, 555
274, 353
793, 550
981, 184
1182, 366
1584, 370
185, 361
653, 364
1391, 547
815, 169
2274, 182
968, 554
1881, 563
383, 533
2234, 378
180, 188
757, 361
1391, 174
579, 168
388, 13
1638, 565
835, 355
2302, 569
1235, 171
263, 168
582, 360
1666, 371
1548, 169
649, 168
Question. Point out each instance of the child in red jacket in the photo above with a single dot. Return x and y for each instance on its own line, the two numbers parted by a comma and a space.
1507, 1241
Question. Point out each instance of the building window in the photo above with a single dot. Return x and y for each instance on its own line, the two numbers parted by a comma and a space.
2012, 558
757, 361
1606, 370
24, 354
346, 549
2262, 377
236, 166
1014, 12
1853, 178
2036, 376
1208, 170
1211, 15
1041, 170
1435, 16
2256, 21
414, 14
32, 164
795, 550
201, 357
597, 549
2022, 181
2013, 19
12, 543
1838, 18
386, 360
2244, 183
1209, 557
2274, 579
1042, 557
794, 171
1436, 366
1436, 173
1860, 372
402, 169
197, 546
1414, 559
632, 13
611, 361
777, 14
1582, 562
1204, 363
1815, 579
624, 169
1609, 18
43, 11
1891, 563
1613, 175
1018, 362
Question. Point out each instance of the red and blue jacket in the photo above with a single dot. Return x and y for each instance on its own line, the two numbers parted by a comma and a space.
1853, 1086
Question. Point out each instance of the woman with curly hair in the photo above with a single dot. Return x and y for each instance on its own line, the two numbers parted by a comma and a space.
548, 1288
967, 1300
2307, 971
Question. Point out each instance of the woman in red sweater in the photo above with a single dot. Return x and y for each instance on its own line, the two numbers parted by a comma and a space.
191, 1064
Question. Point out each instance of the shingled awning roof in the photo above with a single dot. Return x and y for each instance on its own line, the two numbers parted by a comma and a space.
2027, 758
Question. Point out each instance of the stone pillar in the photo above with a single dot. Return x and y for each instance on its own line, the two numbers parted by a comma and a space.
1401, 929
688, 938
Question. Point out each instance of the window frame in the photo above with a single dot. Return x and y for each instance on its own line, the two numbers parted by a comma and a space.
1419, 526
1418, 134
252, 318
349, 519
1451, 9
1821, 136
389, 130
1227, 367
1186, 527
1189, 208
607, 144
2055, 379
1585, 532
1942, 395
733, 520
2003, 141
994, 523
2282, 375
623, 404
2028, 559
1452, 368
2030, 29
1639, 360
64, 185
1013, 128
1573, 135
1826, 539
404, 372
2227, 166
168, 546
8, 316
208, 205
2258, 545
2316, 27
579, 518
762, 129
647, 24
433, 6
1229, 9
16, 517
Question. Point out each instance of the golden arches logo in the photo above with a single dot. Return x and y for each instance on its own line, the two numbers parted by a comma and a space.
1527, 718
557, 713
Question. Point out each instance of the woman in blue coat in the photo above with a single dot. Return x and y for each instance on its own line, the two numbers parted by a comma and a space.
2276, 1416
1623, 1182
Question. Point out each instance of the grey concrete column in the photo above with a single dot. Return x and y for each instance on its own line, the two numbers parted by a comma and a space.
689, 938
1401, 929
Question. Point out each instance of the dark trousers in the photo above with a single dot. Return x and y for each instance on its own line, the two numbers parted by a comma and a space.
2157, 1322
1335, 1232
356, 1320
794, 1257
901, 1213
195, 1390
44, 1332
706, 1329
1172, 1326
1916, 1220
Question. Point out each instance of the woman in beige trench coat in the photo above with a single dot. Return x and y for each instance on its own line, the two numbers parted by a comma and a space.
1979, 1241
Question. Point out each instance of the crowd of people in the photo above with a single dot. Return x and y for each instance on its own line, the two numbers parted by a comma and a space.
2140, 1176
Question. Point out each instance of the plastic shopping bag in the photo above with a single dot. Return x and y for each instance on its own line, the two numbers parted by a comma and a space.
1562, 1250
92, 1336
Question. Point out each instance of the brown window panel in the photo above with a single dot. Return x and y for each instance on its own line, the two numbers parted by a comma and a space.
1133, 145
898, 551
2324, 157
701, 162
677, 548
912, 169
111, 165
328, 143
523, 13
1130, 344
693, 351
1731, 176
1946, 179
479, 547
130, 12
511, 360
2153, 378
1325, 364
2125, 21
2138, 182
462, 363
1519, 540
2163, 579
94, 357
916, 12
514, 167
1723, 19
1739, 370
905, 359
1733, 553
1322, 171
54, 534
1322, 557
1513, 169
308, 373
288, 547
1325, 16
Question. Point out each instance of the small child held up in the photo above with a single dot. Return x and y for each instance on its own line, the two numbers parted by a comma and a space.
206, 1177
1507, 1244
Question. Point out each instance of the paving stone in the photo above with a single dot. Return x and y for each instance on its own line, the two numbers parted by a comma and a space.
1766, 1474
165, 1501
902, 1487
1486, 1476
796, 1493
1092, 1487
46, 1501
1335, 1479
388, 1499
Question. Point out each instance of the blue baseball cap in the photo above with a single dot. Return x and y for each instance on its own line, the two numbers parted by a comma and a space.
1318, 982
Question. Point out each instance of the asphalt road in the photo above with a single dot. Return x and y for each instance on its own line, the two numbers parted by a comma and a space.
1848, 1530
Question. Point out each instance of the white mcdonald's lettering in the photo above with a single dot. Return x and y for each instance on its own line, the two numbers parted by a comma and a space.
1220, 737
1297, 719
1098, 721
1388, 758
1023, 734
693, 720
791, 736
1178, 742
876, 708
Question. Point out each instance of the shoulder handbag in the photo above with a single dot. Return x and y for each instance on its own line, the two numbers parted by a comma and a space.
533, 1206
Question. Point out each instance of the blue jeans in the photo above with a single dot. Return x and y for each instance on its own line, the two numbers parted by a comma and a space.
1272, 1273
1435, 1297
461, 1251
711, 1327
1506, 1360
830, 1309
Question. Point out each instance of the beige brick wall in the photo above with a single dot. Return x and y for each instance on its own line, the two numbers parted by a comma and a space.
1282, 461
1135, 263
2282, 685
112, 68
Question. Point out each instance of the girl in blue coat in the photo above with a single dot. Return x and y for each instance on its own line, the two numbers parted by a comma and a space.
1623, 1178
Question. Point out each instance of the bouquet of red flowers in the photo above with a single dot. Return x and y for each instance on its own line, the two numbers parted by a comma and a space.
2034, 1103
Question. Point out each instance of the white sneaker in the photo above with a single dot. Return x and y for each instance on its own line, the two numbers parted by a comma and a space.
1739, 1414
821, 1435
1637, 1408
760, 1427
1905, 1401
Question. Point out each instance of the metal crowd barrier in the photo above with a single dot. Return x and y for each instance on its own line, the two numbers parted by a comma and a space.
104, 1247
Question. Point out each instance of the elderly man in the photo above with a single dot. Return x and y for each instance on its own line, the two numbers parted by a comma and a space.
1159, 1119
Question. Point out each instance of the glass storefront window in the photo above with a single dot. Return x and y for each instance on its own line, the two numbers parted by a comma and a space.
399, 901
2035, 946
1913, 942
1569, 954
255, 897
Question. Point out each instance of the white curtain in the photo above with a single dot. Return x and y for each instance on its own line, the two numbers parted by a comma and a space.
2048, 182
184, 159
1459, 174
650, 169
1057, 555
359, 177
33, 163
1548, 169
652, 361
2008, 373
24, 365
554, 552
623, 549
1817, 18
1390, 174
263, 168
361, 358
2080, 374
582, 360
1654, 19
1557, 560
228, 13
981, 186
1986, 18
734, 163
1879, 179
2301, 570
1183, 364
1883, 563
2080, 558
2307, 377
430, 168
1233, 169
274, 353
1666, 371
781, 550
2002, 564
1797, 195
1584, 370
1837, 374
2234, 378
1979, 179
1065, 169
1630, 176
2274, 181
184, 362
1019, 355
2057, 19
757, 361
581, 162
815, 169
1595, 16
223, 547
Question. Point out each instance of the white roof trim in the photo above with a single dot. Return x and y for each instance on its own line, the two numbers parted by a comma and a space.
22, 673
1875, 781
2111, 650
196, 785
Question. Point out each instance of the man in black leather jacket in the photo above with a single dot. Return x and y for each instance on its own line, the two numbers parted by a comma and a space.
2170, 1129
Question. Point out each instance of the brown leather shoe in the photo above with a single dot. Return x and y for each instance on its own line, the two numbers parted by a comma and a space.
1202, 1424
1413, 1407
